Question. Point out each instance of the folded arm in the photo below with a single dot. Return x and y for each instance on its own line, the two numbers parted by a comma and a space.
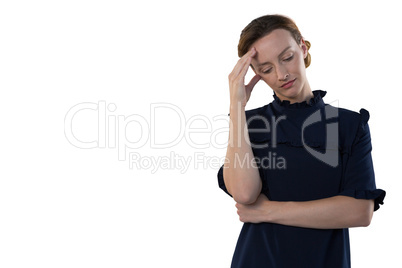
328, 213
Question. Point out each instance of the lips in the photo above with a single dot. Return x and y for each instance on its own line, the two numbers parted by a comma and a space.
288, 84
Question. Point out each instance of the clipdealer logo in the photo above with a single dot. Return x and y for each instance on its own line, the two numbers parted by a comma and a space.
331, 154
113, 133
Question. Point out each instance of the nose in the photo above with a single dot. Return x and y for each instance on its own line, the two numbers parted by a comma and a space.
282, 73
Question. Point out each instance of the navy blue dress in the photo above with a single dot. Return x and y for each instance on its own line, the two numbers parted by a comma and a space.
305, 151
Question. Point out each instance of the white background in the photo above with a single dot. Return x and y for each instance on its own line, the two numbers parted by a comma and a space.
64, 206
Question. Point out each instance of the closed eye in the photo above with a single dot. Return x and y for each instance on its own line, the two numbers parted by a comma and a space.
267, 71
289, 58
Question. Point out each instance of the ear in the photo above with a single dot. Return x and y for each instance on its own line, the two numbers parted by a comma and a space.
304, 48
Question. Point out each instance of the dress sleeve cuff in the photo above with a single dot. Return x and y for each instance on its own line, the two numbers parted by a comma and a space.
378, 195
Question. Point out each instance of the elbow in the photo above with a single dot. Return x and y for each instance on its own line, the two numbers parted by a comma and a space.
366, 219
366, 215
246, 194
243, 193
245, 199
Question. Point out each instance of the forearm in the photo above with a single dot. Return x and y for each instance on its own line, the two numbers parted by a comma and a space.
329, 213
240, 172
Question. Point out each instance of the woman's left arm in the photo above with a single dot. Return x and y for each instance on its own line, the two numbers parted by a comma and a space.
352, 207
328, 213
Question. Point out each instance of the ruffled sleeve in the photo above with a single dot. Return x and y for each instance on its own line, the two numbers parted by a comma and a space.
359, 179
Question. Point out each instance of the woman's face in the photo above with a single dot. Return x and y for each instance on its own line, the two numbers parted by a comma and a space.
280, 63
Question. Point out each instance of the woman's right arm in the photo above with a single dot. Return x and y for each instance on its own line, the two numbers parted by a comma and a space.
240, 171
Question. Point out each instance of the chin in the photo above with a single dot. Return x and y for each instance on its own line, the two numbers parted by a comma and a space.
291, 93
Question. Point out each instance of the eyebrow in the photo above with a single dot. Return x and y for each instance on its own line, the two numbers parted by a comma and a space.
280, 55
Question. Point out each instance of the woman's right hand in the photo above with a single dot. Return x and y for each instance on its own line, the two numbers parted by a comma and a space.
239, 92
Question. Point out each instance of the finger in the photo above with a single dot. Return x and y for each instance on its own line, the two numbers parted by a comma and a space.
245, 68
242, 71
243, 64
249, 53
247, 61
253, 82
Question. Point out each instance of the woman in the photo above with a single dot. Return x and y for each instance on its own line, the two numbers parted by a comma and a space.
300, 170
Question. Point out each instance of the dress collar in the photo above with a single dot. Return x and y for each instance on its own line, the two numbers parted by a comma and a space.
315, 101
